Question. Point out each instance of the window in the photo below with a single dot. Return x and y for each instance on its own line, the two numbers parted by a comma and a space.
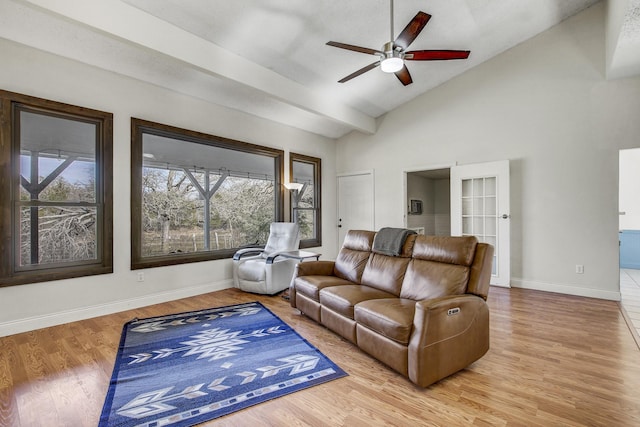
305, 203
56, 195
198, 197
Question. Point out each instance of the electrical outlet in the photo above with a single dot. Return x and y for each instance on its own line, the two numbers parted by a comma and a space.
140, 277
579, 269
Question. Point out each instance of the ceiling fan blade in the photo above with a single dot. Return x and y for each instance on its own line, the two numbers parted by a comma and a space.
404, 76
411, 31
355, 48
435, 55
360, 71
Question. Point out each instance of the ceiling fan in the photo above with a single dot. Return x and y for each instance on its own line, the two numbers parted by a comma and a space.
393, 53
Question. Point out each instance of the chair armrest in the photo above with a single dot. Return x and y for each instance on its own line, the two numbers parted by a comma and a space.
247, 252
271, 257
315, 268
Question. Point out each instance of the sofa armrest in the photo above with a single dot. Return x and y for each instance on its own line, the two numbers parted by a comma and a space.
315, 268
309, 268
449, 333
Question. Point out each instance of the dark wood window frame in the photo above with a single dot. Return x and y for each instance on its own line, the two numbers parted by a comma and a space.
317, 196
10, 105
139, 127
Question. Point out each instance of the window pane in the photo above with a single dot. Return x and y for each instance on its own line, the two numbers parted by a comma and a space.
240, 212
65, 234
57, 158
467, 190
303, 173
305, 203
491, 226
478, 225
306, 220
490, 186
467, 205
478, 187
466, 226
478, 206
200, 195
244, 209
490, 205
170, 207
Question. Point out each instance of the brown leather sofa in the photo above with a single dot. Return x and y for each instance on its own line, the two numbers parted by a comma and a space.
423, 312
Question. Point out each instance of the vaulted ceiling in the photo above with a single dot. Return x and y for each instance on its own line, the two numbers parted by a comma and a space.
269, 58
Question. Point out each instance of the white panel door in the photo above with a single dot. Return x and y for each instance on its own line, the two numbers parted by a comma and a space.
355, 203
480, 207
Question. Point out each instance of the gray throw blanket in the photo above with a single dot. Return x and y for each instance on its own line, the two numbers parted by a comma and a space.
389, 241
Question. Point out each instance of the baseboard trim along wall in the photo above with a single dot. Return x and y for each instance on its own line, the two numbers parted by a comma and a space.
565, 289
45, 321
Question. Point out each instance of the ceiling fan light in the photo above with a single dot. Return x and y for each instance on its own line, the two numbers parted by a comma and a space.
392, 64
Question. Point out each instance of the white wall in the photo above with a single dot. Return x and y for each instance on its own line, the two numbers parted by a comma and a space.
420, 188
32, 72
630, 189
442, 209
435, 197
544, 105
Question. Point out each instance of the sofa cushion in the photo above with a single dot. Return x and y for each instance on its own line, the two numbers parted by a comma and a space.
429, 279
385, 273
458, 250
341, 299
354, 255
392, 318
440, 266
252, 270
310, 286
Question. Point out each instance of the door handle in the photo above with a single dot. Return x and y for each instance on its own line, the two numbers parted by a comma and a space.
505, 216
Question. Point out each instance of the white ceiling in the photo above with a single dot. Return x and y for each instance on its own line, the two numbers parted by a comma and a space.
269, 58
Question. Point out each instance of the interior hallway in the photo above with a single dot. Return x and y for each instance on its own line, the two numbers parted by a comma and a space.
630, 290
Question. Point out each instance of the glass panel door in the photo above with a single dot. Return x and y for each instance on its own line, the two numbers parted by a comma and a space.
480, 207
479, 211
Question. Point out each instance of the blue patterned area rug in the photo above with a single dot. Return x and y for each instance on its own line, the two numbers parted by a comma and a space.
188, 368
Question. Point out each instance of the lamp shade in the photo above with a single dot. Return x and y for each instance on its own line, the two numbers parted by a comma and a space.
293, 186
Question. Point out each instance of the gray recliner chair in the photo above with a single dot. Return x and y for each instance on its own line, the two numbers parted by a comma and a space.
262, 270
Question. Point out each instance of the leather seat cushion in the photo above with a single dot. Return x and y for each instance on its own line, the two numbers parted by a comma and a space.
310, 286
392, 318
341, 299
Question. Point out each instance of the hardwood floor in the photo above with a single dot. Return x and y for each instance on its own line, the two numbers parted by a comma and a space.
630, 292
555, 360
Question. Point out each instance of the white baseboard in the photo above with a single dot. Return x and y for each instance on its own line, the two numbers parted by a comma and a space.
53, 319
565, 289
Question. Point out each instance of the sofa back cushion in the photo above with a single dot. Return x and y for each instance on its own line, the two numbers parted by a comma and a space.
354, 254
385, 273
439, 266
